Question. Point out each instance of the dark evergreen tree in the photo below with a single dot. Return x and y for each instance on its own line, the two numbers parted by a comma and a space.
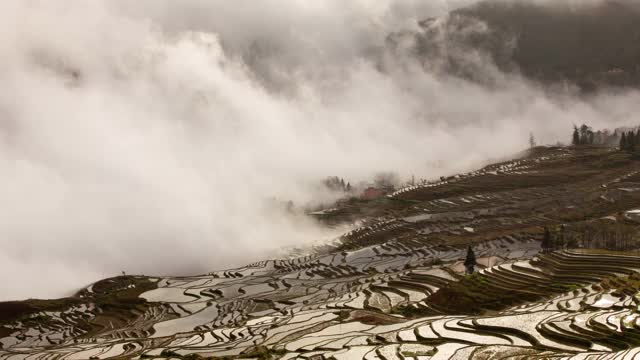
470, 261
631, 141
576, 136
623, 142
348, 188
547, 241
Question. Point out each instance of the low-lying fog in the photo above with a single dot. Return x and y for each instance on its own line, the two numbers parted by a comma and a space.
148, 136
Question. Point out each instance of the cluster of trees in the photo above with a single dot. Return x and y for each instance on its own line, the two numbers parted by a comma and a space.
584, 135
591, 236
556, 239
335, 183
630, 141
381, 180
607, 236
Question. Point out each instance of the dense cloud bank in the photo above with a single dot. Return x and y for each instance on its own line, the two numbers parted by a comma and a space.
149, 136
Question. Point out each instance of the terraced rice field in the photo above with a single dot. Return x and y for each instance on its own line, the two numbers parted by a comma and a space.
393, 288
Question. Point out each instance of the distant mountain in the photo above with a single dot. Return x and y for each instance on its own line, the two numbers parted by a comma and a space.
594, 44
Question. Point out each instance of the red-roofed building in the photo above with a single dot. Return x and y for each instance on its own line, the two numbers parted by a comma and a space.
371, 193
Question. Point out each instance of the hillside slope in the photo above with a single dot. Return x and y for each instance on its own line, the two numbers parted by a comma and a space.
395, 287
593, 46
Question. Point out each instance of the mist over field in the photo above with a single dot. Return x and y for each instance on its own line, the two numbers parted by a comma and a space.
151, 136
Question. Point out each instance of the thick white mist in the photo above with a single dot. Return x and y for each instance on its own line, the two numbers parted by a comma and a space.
150, 136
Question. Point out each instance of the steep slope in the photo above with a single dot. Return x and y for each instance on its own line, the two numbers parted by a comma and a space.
395, 287
591, 44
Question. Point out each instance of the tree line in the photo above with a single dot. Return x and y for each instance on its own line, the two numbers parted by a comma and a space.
613, 236
627, 140
335, 183
630, 141
584, 135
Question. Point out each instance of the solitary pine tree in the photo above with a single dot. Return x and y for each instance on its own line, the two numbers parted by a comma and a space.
470, 262
623, 142
532, 141
348, 188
